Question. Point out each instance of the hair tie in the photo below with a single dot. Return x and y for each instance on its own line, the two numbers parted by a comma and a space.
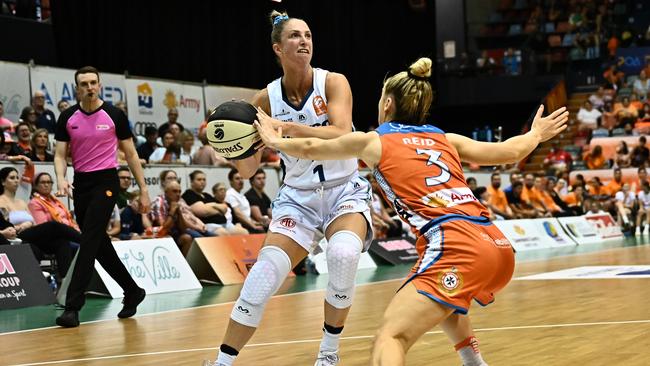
420, 78
279, 19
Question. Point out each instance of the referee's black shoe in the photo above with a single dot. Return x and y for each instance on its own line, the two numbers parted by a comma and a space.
69, 319
131, 302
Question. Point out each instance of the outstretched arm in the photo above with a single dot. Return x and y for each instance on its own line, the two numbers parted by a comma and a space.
361, 145
515, 148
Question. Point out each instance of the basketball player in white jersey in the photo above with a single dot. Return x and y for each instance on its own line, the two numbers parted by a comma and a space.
327, 196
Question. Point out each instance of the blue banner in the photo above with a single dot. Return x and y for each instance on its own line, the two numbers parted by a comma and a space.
632, 60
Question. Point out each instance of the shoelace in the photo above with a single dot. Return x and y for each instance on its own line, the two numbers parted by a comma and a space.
329, 357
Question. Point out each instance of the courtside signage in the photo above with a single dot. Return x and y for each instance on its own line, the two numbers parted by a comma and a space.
524, 234
156, 265
581, 230
551, 231
14, 89
21, 281
605, 225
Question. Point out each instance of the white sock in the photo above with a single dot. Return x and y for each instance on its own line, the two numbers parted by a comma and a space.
469, 352
225, 359
330, 342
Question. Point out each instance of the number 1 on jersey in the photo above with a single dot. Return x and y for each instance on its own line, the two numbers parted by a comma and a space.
319, 170
433, 159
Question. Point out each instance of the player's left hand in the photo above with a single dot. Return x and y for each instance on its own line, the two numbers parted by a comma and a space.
270, 132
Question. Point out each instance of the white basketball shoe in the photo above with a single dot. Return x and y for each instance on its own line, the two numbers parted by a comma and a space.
327, 358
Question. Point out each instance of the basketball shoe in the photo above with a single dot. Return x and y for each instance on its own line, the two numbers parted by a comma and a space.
327, 358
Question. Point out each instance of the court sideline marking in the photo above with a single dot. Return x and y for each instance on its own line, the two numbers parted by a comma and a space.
543, 326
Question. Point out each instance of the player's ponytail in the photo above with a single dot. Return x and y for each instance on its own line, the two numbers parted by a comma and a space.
412, 92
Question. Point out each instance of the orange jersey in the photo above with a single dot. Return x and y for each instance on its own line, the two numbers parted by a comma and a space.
420, 174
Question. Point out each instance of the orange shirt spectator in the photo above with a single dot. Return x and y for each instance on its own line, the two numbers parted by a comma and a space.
497, 198
612, 45
532, 196
548, 201
595, 158
613, 186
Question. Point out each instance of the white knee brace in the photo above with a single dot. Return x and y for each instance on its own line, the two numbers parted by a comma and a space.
343, 252
264, 279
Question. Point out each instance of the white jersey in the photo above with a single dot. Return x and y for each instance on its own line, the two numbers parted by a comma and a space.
304, 173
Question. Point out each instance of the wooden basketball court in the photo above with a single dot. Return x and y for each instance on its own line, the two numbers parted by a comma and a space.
542, 322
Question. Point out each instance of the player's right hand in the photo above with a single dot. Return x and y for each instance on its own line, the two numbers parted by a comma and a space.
547, 127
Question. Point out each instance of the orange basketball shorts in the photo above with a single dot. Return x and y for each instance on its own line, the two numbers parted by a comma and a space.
461, 260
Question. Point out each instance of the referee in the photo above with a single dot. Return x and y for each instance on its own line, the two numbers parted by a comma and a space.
92, 131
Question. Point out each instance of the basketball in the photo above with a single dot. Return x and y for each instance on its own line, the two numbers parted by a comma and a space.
230, 130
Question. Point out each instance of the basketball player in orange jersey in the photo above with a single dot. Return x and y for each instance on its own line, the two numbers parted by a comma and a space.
327, 196
462, 256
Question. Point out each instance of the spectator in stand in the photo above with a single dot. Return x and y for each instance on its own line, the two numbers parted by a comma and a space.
622, 159
644, 208
471, 183
552, 200
635, 102
531, 195
613, 79
597, 99
640, 154
641, 85
219, 191
44, 206
595, 159
17, 222
588, 116
114, 224
615, 184
609, 120
185, 140
642, 176
514, 177
172, 119
45, 117
24, 135
596, 190
625, 112
625, 201
575, 199
5, 123
520, 208
126, 180
557, 160
483, 196
644, 114
580, 180
240, 206
28, 116
512, 62
628, 129
167, 176
9, 151
62, 105
38, 145
497, 201
485, 64
259, 200
595, 209
172, 214
150, 145
134, 224
271, 158
203, 205
169, 153
561, 188
206, 155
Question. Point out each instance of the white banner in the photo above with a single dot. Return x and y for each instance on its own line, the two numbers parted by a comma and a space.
593, 272
215, 95
156, 265
14, 89
523, 234
551, 231
580, 229
58, 84
150, 100
605, 225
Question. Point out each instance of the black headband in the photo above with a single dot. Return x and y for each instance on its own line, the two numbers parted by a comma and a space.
420, 78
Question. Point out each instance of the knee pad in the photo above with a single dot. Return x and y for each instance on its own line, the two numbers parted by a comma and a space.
343, 253
263, 280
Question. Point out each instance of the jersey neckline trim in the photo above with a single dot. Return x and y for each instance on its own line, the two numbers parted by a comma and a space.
304, 99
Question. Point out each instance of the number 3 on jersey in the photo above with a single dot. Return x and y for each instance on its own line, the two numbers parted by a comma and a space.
433, 159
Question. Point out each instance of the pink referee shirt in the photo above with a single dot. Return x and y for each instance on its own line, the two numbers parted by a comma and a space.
93, 137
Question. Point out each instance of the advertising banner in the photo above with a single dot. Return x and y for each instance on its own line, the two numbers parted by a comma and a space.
605, 225
394, 250
14, 89
523, 234
580, 230
551, 231
632, 59
216, 94
21, 281
149, 101
58, 84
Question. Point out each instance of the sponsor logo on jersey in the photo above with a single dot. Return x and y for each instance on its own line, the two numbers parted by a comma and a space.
451, 280
288, 222
449, 197
102, 127
302, 117
319, 105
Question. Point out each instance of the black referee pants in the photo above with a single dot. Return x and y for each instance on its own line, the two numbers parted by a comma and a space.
95, 195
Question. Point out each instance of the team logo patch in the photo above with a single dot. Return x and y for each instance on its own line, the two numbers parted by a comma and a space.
319, 105
451, 280
288, 223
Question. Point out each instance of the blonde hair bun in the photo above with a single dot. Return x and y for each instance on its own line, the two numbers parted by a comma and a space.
421, 67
